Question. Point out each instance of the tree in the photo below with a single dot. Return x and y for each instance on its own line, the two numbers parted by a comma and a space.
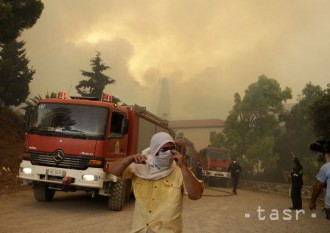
319, 114
32, 101
261, 156
94, 86
17, 15
298, 131
219, 140
36, 99
252, 125
15, 75
51, 95
298, 124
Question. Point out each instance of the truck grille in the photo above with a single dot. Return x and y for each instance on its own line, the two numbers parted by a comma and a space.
69, 161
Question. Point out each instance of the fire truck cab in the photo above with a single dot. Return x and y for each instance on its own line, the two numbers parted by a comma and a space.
215, 163
70, 143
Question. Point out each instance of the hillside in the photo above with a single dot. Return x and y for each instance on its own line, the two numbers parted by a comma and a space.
11, 149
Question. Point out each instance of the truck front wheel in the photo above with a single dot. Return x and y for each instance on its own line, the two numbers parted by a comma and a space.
117, 196
42, 192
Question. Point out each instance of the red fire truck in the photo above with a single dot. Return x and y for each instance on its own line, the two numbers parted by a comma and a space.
71, 141
187, 148
215, 163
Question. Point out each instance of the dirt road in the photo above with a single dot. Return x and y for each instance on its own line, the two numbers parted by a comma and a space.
217, 211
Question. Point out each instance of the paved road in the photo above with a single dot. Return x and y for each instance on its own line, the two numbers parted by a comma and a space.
217, 211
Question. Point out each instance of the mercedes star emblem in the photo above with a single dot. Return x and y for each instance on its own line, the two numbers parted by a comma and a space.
58, 156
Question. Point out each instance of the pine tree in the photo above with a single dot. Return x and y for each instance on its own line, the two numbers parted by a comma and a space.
17, 15
94, 86
15, 75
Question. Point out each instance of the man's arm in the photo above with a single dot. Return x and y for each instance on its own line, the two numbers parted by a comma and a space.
317, 189
118, 167
193, 186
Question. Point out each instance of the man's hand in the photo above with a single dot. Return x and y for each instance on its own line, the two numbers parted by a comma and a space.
179, 158
292, 155
139, 158
317, 189
193, 186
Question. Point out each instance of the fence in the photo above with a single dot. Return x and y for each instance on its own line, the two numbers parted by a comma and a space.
273, 187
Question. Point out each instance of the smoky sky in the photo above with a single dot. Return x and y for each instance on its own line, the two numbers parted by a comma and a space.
207, 50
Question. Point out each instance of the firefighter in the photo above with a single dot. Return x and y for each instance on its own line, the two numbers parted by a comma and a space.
296, 184
199, 170
234, 170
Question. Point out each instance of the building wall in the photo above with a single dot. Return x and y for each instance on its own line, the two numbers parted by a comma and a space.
199, 136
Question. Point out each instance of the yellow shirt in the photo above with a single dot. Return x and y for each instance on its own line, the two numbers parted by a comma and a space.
158, 203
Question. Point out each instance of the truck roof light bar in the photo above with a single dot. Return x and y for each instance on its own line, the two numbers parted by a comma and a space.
83, 98
106, 98
62, 95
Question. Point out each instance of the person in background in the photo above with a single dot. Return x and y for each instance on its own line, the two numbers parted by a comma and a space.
159, 176
234, 170
296, 183
199, 170
322, 180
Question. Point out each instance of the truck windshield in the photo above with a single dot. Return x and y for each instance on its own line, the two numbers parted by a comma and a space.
68, 120
218, 155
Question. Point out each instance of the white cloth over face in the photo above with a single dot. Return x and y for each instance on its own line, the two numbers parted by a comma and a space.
157, 166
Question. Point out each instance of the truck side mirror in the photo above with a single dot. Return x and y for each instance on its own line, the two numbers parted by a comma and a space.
124, 126
29, 111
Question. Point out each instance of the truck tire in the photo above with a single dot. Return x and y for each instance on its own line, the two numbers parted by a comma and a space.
42, 192
117, 196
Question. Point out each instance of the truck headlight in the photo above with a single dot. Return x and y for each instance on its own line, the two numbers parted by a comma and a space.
91, 177
26, 170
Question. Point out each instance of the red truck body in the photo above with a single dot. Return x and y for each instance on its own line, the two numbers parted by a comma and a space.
214, 164
187, 148
71, 142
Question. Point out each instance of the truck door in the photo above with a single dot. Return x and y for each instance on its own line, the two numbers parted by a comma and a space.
116, 143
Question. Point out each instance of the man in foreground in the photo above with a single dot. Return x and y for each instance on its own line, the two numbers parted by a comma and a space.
159, 177
322, 180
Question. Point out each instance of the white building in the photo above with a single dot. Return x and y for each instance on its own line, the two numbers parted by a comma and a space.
198, 131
